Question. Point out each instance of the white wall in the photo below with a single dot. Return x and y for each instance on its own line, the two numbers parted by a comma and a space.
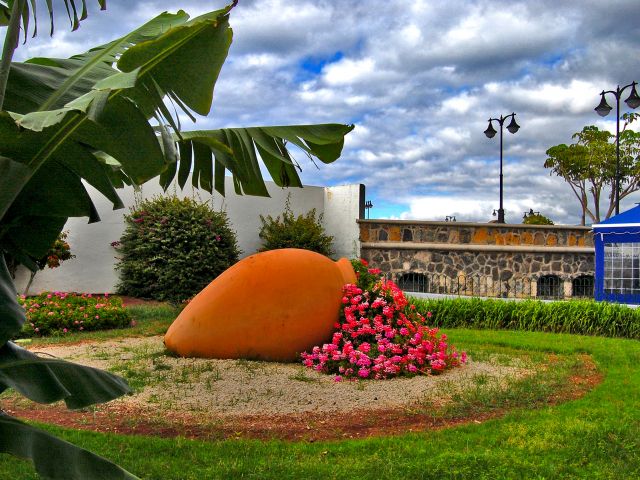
340, 203
92, 270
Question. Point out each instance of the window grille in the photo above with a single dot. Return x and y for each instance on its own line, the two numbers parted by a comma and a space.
550, 286
622, 268
413, 282
582, 286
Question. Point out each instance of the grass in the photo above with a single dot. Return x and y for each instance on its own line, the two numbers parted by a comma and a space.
595, 437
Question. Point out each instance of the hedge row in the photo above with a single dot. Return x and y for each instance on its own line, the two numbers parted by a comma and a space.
583, 317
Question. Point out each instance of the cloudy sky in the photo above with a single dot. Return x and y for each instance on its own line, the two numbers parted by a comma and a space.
419, 79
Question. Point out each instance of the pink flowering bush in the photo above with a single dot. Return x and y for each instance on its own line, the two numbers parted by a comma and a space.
380, 335
58, 313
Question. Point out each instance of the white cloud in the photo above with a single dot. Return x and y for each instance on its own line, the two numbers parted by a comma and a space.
349, 71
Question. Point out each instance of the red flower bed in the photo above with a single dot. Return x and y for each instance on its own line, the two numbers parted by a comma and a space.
380, 335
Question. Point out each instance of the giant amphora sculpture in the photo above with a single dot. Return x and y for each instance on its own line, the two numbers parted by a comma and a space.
270, 306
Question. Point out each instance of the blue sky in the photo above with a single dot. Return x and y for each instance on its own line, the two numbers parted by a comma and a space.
419, 79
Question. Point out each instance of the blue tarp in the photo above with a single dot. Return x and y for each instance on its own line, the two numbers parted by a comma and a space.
619, 262
630, 217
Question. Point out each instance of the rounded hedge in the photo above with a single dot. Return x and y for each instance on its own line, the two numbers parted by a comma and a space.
172, 248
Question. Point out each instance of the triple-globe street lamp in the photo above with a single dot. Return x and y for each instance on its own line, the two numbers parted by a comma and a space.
603, 110
490, 132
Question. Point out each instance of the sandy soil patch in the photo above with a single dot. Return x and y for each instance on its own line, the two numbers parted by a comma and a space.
238, 387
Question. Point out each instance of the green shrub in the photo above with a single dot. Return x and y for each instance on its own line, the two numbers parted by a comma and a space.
172, 248
366, 277
58, 313
304, 231
537, 219
584, 317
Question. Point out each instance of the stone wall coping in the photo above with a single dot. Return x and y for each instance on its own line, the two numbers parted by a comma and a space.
472, 247
473, 224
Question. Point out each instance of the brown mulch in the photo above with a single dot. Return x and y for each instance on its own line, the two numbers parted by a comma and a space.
116, 417
131, 301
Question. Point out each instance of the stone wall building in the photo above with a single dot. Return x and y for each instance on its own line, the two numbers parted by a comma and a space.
508, 260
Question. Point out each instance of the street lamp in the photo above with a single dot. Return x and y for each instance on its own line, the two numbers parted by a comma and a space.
603, 110
530, 213
368, 206
490, 132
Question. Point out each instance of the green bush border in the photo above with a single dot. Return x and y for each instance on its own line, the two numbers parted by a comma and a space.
583, 317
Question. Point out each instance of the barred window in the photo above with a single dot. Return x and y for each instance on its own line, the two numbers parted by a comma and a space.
550, 286
622, 268
413, 282
582, 286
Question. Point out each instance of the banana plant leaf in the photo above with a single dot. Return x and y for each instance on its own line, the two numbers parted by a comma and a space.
54, 458
110, 119
41, 84
29, 13
208, 154
12, 315
79, 386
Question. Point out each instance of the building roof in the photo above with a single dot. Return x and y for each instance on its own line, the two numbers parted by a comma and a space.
629, 218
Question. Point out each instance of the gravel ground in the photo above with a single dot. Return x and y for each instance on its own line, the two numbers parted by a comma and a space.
240, 387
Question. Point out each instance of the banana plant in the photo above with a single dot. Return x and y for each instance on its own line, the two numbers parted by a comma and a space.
102, 118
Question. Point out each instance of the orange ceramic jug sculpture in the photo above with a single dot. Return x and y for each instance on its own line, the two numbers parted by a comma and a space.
270, 306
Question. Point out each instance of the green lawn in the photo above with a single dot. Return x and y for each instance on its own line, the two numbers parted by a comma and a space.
595, 437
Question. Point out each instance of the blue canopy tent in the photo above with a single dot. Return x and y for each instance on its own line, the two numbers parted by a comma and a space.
617, 244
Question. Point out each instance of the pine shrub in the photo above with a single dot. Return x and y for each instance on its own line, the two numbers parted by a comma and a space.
304, 231
172, 248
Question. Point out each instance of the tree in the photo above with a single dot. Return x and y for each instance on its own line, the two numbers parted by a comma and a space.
589, 167
537, 219
100, 117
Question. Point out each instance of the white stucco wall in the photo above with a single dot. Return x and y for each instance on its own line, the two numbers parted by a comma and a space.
341, 202
93, 268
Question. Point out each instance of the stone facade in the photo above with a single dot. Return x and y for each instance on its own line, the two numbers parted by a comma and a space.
509, 257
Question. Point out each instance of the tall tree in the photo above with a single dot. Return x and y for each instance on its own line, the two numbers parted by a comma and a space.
100, 117
589, 166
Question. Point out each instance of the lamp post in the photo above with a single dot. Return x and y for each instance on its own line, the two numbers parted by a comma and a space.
530, 213
603, 110
368, 206
490, 132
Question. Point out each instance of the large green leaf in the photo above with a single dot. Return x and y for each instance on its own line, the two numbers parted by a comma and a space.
79, 386
54, 458
12, 315
186, 61
29, 13
105, 116
97, 61
118, 127
237, 150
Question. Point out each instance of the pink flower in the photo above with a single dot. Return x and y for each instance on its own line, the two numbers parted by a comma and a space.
64, 330
338, 378
381, 339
